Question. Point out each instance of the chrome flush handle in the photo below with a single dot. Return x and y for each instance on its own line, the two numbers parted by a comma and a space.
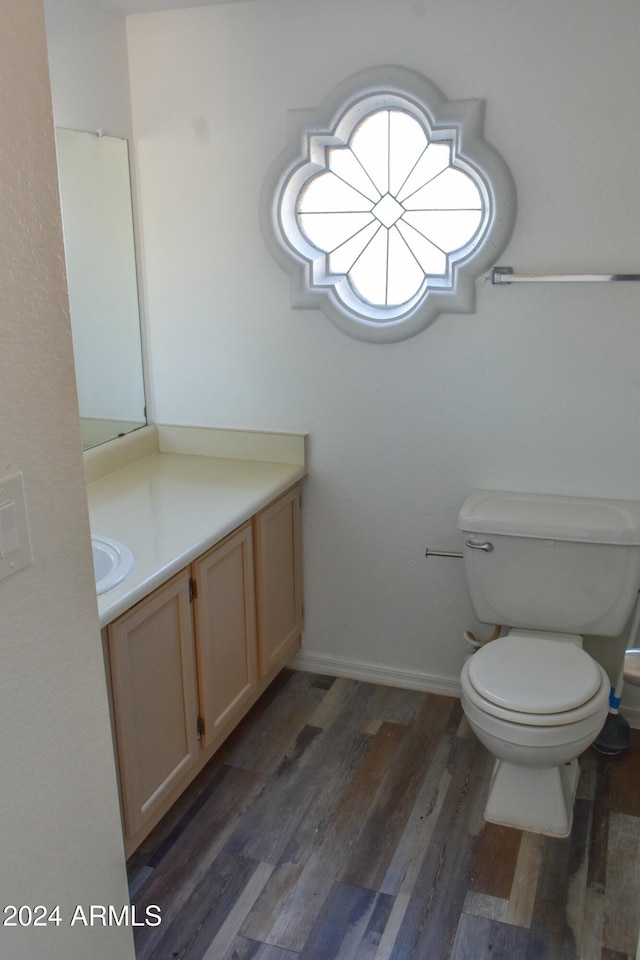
487, 547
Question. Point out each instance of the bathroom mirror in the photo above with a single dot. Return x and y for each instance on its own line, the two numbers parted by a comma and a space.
97, 220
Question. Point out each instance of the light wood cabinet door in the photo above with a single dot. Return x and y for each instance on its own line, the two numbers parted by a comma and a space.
278, 581
225, 633
155, 702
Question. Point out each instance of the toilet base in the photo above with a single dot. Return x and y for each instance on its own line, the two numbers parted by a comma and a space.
539, 799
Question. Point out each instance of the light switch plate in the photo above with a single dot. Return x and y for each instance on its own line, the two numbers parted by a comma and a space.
15, 543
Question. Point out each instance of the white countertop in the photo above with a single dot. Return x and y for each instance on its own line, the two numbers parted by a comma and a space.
169, 508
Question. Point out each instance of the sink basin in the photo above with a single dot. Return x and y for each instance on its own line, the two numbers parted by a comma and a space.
112, 563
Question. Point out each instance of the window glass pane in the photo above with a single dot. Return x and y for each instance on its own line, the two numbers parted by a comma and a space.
432, 260
451, 190
326, 231
370, 144
405, 276
326, 192
388, 210
407, 143
448, 229
369, 273
433, 161
345, 165
342, 258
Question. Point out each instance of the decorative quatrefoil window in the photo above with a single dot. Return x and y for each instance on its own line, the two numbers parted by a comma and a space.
387, 205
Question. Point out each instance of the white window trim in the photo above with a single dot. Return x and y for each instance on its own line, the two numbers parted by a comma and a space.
331, 124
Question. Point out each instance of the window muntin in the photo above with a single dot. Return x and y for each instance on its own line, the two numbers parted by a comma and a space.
387, 205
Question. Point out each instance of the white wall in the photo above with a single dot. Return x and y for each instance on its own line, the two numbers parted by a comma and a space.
538, 390
87, 49
59, 820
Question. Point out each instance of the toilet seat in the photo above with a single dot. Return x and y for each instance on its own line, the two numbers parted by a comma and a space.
534, 681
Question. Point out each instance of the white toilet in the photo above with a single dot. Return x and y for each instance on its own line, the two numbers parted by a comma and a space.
550, 569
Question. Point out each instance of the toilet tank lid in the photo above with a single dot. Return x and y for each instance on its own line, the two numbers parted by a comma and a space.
551, 517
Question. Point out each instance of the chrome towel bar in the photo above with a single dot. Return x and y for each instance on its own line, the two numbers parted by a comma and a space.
504, 275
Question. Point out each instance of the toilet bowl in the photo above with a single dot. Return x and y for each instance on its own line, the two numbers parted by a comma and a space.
553, 568
536, 703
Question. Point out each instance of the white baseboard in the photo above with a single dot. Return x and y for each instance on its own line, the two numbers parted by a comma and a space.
405, 679
374, 673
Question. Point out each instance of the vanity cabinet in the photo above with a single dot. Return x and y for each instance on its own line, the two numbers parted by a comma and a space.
155, 702
278, 581
225, 620
185, 664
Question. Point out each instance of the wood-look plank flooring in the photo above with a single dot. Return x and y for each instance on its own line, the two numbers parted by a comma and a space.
343, 821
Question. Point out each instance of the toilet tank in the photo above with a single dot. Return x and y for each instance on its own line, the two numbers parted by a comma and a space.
566, 564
